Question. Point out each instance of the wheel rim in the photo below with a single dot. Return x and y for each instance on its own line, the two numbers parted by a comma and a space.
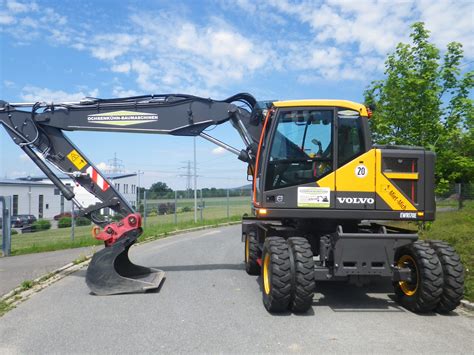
247, 249
266, 274
408, 288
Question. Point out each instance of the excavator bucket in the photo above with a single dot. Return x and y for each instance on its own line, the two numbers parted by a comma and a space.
111, 271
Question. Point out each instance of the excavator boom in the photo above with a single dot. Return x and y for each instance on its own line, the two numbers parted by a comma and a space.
38, 129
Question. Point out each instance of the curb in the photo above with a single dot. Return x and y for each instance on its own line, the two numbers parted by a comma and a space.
467, 305
20, 294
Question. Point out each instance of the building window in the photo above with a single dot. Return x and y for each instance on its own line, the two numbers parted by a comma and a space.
15, 204
133, 189
56, 192
62, 204
125, 188
117, 187
40, 206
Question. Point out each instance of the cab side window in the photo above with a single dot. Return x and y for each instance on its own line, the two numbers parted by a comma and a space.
349, 137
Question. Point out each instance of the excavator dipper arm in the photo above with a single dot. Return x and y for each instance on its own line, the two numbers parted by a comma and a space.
39, 132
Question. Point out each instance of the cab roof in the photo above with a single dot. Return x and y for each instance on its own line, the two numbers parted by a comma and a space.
321, 103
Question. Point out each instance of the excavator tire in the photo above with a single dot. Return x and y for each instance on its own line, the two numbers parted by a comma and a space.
303, 278
252, 254
276, 275
423, 293
453, 274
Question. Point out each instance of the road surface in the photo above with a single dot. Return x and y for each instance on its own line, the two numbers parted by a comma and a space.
16, 269
208, 304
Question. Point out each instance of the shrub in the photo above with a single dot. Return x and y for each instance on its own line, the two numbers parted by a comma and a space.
186, 209
165, 208
14, 231
83, 221
64, 222
153, 213
41, 224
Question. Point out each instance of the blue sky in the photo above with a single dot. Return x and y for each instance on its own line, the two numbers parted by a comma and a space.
274, 49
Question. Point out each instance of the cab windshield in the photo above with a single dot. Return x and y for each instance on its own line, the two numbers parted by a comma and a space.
301, 149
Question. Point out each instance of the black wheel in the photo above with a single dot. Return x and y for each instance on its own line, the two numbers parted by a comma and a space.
303, 278
453, 275
276, 275
252, 253
423, 292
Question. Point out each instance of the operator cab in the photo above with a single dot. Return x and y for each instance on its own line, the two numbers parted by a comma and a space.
304, 141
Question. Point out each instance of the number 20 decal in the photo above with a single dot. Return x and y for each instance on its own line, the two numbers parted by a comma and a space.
361, 171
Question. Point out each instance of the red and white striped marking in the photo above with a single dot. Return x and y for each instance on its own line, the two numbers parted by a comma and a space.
99, 180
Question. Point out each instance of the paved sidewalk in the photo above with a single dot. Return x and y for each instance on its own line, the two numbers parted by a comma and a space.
16, 269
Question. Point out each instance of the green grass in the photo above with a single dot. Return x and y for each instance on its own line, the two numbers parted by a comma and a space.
456, 228
56, 239
53, 239
447, 202
4, 308
27, 284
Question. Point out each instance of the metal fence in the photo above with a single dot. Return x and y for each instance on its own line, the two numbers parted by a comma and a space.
454, 196
178, 210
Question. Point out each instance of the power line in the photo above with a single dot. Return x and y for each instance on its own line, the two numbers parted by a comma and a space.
188, 177
115, 165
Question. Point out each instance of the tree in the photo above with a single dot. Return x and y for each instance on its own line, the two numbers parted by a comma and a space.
159, 189
424, 101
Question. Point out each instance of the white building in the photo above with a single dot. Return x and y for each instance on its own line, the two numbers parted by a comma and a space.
38, 195
39, 198
125, 183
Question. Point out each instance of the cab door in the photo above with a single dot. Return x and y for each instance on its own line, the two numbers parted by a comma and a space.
355, 170
298, 155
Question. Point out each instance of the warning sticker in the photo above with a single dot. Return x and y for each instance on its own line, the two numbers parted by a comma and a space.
314, 197
75, 158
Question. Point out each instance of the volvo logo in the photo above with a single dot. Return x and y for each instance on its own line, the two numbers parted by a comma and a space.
356, 200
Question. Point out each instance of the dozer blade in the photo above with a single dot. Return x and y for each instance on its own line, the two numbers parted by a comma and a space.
111, 271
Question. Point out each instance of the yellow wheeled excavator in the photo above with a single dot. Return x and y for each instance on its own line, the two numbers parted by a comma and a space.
319, 186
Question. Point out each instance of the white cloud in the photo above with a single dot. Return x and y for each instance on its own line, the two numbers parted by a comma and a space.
27, 21
455, 24
218, 151
7, 19
8, 83
32, 94
312, 40
111, 46
119, 91
121, 68
103, 166
18, 7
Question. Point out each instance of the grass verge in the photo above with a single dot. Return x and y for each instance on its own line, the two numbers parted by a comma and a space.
4, 307
58, 239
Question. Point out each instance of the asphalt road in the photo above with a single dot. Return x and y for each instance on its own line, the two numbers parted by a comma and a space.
16, 269
208, 304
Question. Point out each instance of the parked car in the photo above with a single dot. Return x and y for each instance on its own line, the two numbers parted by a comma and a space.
29, 218
22, 220
18, 221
